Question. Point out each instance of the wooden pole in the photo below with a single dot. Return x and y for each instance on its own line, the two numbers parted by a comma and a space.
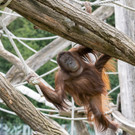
125, 22
26, 110
64, 19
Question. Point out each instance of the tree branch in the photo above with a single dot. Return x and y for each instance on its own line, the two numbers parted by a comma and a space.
26, 111
10, 57
65, 20
8, 19
38, 59
124, 123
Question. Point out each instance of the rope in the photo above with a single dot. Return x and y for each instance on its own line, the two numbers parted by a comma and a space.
72, 116
32, 39
7, 111
113, 2
49, 72
12, 35
10, 13
95, 3
43, 75
124, 6
98, 3
112, 73
102, 2
3, 4
114, 89
26, 69
52, 116
24, 44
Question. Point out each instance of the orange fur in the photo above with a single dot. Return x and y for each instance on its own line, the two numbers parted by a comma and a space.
85, 81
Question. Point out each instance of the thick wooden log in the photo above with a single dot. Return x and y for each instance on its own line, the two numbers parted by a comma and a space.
125, 21
45, 54
26, 111
64, 19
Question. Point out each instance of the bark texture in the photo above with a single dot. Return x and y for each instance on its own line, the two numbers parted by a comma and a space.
26, 111
64, 19
125, 21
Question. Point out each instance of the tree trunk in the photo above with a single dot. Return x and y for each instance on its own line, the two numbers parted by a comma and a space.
26, 111
64, 19
125, 21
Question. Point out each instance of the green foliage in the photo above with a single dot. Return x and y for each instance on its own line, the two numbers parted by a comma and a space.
23, 28
45, 68
114, 83
5, 65
110, 20
9, 117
